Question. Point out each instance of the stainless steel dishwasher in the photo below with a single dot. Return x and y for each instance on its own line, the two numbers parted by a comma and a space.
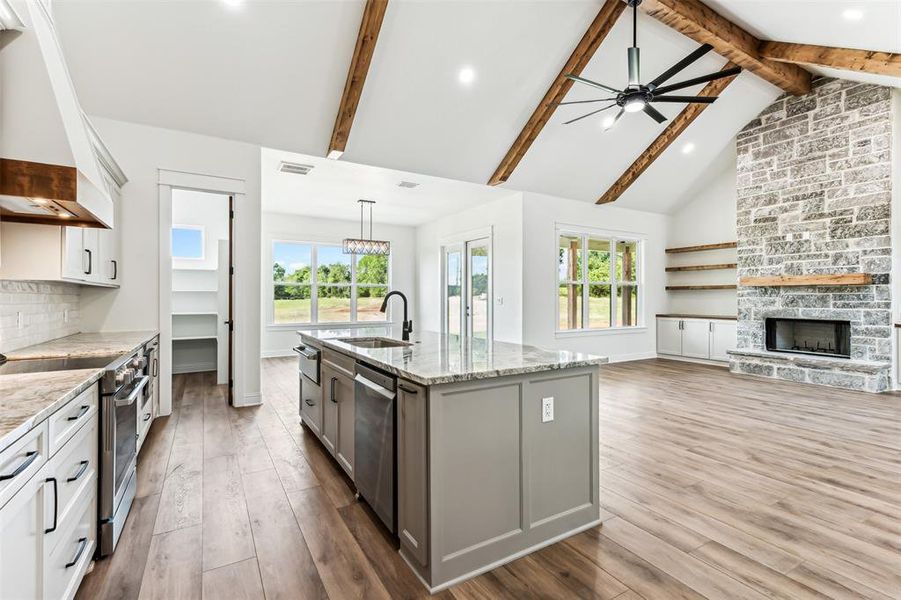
375, 469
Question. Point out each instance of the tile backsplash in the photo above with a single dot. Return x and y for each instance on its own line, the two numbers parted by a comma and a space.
32, 312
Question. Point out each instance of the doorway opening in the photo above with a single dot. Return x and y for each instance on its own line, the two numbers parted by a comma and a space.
202, 274
466, 289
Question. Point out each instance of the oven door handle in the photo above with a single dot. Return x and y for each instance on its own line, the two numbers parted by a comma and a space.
130, 399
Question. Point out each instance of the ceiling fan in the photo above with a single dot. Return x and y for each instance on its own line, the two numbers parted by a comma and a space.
637, 97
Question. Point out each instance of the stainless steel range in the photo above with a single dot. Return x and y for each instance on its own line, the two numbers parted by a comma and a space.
122, 384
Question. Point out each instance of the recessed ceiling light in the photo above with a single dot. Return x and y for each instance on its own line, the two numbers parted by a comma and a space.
852, 14
466, 75
233, 3
688, 148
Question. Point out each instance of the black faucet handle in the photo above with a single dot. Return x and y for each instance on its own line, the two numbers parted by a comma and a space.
410, 325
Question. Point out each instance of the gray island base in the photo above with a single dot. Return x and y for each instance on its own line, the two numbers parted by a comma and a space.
497, 446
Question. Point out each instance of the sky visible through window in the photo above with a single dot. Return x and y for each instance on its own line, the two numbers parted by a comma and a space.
187, 243
292, 257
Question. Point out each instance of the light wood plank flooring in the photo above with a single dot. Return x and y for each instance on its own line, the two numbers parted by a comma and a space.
713, 486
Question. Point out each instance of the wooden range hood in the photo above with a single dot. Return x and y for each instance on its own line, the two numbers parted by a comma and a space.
39, 193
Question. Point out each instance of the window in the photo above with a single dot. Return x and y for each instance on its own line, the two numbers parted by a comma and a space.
187, 241
318, 283
598, 282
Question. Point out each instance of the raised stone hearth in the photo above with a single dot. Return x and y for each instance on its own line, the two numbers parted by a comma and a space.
814, 198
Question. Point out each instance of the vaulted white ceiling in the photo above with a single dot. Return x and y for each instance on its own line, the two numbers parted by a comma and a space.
272, 73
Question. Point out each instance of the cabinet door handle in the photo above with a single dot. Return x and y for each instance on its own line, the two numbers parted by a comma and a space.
30, 457
115, 269
332, 392
146, 417
82, 544
84, 410
55, 504
90, 262
309, 402
84, 467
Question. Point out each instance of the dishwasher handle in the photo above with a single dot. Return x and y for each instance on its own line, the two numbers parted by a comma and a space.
382, 391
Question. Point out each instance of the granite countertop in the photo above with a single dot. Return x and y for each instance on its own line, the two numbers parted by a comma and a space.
433, 358
85, 345
26, 399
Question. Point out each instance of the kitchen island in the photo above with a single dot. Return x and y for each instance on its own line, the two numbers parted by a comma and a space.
496, 443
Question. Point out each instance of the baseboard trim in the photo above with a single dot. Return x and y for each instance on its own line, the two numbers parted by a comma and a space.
193, 368
700, 361
630, 357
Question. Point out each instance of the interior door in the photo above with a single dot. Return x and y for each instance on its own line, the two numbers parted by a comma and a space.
478, 290
453, 290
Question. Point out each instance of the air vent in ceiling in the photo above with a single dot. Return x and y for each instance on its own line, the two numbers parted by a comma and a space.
294, 168
407, 184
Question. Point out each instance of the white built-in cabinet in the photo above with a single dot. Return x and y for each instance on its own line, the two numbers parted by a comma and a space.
705, 339
48, 503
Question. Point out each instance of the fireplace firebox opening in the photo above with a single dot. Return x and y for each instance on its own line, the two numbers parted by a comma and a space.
809, 336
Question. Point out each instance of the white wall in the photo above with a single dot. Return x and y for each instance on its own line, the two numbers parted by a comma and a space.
542, 215
141, 151
278, 340
209, 211
708, 219
504, 218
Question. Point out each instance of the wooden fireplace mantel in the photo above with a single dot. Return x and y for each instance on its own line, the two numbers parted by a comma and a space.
801, 280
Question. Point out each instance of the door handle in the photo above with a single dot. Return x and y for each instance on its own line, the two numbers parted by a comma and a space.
82, 544
84, 467
30, 457
55, 504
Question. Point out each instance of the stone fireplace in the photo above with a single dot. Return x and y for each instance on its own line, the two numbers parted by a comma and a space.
814, 199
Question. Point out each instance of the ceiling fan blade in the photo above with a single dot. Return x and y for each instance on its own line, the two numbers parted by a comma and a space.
697, 80
700, 99
581, 101
621, 112
698, 53
572, 77
654, 113
594, 112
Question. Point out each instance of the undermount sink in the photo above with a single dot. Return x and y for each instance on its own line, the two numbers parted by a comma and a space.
374, 342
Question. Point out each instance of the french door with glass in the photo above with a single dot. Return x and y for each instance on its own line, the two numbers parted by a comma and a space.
467, 289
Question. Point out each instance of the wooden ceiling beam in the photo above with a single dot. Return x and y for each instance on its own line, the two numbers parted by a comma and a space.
705, 26
669, 135
596, 33
373, 15
849, 59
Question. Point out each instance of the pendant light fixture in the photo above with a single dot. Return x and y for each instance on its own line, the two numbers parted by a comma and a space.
363, 245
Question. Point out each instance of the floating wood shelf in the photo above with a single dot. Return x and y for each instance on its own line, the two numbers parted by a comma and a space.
702, 267
686, 288
702, 248
802, 280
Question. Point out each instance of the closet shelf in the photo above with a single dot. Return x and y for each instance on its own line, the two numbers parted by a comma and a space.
717, 267
702, 248
198, 313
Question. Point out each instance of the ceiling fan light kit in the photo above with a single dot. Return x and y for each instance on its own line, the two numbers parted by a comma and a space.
638, 97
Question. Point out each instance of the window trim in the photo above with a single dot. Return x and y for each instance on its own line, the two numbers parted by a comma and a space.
613, 237
201, 229
314, 322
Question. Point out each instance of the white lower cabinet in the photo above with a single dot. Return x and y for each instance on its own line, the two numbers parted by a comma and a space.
706, 339
48, 525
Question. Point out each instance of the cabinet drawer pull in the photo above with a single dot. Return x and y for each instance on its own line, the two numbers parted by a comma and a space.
82, 544
309, 402
84, 467
30, 457
81, 412
55, 504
